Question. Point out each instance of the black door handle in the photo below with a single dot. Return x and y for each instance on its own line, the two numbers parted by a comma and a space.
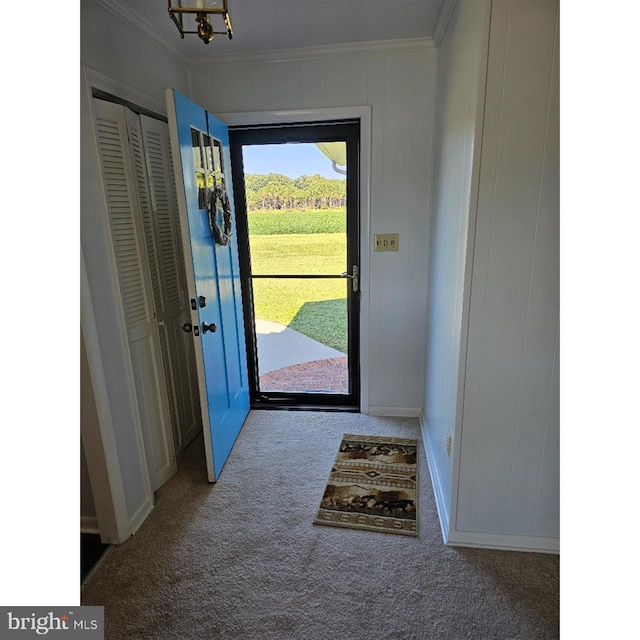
209, 327
187, 327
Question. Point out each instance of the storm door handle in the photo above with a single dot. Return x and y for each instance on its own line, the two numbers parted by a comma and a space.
353, 276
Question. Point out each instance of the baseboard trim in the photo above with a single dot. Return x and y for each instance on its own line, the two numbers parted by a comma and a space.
441, 505
89, 524
504, 541
395, 412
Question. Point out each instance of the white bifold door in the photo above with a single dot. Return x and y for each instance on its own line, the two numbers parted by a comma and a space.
139, 191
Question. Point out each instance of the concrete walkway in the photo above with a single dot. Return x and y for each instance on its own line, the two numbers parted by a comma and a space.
279, 346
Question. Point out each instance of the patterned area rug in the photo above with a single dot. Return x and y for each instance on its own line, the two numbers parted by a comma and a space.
372, 486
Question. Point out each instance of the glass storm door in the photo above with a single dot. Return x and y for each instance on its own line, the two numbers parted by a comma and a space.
298, 222
200, 146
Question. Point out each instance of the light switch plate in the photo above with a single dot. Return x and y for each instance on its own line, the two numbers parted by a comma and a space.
385, 242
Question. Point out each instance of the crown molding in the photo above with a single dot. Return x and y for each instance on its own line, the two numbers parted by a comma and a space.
443, 20
142, 27
150, 33
377, 47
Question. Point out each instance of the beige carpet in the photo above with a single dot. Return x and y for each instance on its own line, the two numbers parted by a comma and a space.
242, 560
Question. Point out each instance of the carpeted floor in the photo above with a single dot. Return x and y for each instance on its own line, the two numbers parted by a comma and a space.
241, 559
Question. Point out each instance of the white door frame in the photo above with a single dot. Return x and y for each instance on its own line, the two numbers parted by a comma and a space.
323, 115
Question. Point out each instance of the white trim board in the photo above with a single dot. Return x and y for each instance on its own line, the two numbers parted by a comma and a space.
395, 412
504, 541
327, 114
474, 191
378, 47
103, 465
441, 504
93, 79
89, 524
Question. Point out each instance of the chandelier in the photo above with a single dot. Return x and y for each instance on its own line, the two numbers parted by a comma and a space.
181, 10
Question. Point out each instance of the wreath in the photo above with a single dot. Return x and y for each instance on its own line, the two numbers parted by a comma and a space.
219, 202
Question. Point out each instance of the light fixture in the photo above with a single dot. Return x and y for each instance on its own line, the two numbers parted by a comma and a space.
181, 10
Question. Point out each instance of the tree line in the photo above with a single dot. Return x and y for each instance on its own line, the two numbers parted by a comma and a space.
275, 191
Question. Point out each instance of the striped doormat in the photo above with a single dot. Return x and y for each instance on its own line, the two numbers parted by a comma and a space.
373, 485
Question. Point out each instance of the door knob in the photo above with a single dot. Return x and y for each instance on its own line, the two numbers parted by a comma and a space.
209, 327
187, 327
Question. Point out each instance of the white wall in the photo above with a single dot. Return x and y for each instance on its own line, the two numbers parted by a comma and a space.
398, 83
509, 458
122, 61
111, 46
88, 518
460, 92
492, 336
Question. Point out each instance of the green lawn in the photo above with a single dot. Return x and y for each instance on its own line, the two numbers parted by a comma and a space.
296, 222
315, 307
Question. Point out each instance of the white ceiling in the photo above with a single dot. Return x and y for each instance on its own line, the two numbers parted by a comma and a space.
260, 25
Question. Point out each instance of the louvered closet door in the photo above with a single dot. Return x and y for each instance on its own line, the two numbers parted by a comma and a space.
172, 306
187, 345
124, 179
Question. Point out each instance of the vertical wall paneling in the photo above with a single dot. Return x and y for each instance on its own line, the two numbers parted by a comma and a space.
513, 315
461, 73
335, 82
355, 80
314, 94
548, 498
492, 315
397, 84
545, 286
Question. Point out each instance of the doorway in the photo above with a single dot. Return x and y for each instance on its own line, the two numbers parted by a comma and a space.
297, 206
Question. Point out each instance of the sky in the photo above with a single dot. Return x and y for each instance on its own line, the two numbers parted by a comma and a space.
292, 160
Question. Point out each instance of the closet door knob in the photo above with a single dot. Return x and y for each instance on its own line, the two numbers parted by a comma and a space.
187, 327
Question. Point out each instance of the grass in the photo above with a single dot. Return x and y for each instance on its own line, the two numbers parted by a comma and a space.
315, 307
324, 253
297, 222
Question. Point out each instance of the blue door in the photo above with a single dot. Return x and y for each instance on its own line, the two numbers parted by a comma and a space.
200, 145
